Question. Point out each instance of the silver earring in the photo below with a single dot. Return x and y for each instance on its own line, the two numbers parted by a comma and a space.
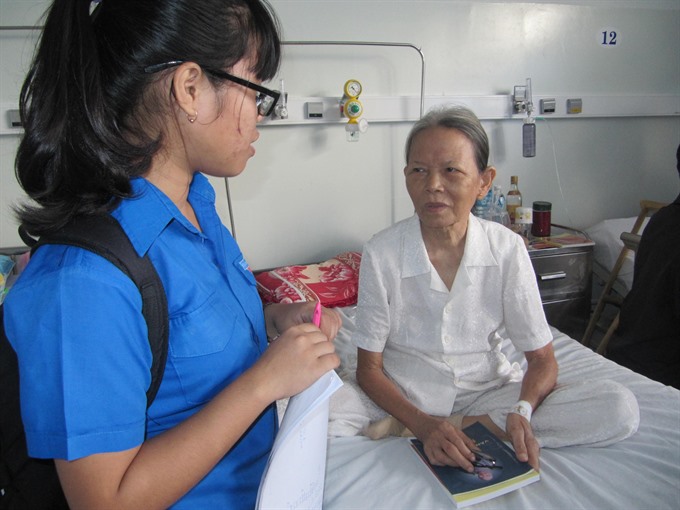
192, 118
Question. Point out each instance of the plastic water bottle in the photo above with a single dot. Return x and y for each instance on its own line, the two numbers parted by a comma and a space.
483, 206
499, 212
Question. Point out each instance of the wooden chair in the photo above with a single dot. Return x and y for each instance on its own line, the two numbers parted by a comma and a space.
631, 240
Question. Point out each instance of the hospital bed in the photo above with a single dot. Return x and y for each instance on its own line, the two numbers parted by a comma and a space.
642, 472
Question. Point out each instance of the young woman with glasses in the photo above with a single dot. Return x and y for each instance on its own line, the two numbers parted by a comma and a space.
127, 106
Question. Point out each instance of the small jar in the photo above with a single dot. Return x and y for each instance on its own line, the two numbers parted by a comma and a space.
541, 219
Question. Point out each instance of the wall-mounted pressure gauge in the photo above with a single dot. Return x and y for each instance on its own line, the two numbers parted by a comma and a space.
352, 88
353, 109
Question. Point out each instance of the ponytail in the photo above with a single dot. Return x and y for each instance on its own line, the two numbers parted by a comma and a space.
60, 163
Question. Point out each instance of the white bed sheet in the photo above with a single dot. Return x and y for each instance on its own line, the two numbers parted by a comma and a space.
642, 472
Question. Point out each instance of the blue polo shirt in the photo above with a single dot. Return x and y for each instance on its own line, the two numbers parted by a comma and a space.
75, 321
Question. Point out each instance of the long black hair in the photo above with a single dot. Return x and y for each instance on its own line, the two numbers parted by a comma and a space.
87, 106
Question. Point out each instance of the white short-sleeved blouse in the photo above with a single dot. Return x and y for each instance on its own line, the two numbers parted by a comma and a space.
434, 340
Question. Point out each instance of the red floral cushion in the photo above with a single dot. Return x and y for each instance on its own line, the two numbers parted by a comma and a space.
334, 282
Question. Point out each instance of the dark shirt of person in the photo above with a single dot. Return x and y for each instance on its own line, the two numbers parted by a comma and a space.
648, 337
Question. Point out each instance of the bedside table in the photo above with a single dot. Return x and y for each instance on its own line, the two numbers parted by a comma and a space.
564, 275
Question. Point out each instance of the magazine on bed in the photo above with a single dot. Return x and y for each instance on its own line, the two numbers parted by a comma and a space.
497, 470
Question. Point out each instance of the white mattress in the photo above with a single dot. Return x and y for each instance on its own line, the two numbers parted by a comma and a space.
642, 472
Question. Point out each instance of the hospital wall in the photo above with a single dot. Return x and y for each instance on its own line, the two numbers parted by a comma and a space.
309, 193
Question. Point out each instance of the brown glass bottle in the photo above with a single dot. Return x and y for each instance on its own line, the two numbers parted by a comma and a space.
513, 199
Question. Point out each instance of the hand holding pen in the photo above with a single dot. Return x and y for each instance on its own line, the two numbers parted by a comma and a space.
280, 317
316, 318
331, 323
299, 351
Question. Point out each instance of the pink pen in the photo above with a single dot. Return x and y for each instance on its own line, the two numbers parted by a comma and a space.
316, 318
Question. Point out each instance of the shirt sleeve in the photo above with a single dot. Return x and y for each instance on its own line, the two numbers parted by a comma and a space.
373, 312
523, 313
84, 358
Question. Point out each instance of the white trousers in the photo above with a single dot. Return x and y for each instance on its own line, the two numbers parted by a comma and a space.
593, 413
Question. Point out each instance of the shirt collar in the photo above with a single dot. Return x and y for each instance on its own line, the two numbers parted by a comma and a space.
150, 211
477, 248
414, 259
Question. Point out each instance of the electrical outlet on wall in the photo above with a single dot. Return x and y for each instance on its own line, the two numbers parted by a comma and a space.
10, 120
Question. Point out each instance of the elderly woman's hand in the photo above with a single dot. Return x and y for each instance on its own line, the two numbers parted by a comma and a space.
523, 440
445, 445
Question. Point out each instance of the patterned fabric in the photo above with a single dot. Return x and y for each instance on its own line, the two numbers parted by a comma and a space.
333, 282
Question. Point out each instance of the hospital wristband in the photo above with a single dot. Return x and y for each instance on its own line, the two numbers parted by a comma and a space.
523, 408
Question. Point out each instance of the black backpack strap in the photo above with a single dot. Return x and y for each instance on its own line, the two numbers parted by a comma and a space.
103, 235
25, 483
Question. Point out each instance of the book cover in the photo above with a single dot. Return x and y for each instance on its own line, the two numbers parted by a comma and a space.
560, 241
497, 472
574, 240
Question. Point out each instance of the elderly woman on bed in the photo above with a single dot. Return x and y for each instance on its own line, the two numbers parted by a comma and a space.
438, 293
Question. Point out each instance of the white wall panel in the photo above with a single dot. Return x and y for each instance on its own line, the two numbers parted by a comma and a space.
308, 193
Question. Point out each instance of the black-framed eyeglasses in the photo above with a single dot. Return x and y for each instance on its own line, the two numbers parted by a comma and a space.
265, 100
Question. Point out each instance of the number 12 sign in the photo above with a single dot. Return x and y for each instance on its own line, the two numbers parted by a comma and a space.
608, 38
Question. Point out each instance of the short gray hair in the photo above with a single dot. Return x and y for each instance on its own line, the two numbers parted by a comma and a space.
455, 117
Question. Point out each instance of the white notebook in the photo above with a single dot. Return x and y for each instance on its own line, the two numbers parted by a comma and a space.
295, 474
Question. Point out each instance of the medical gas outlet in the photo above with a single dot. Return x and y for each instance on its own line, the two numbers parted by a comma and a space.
281, 108
351, 107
